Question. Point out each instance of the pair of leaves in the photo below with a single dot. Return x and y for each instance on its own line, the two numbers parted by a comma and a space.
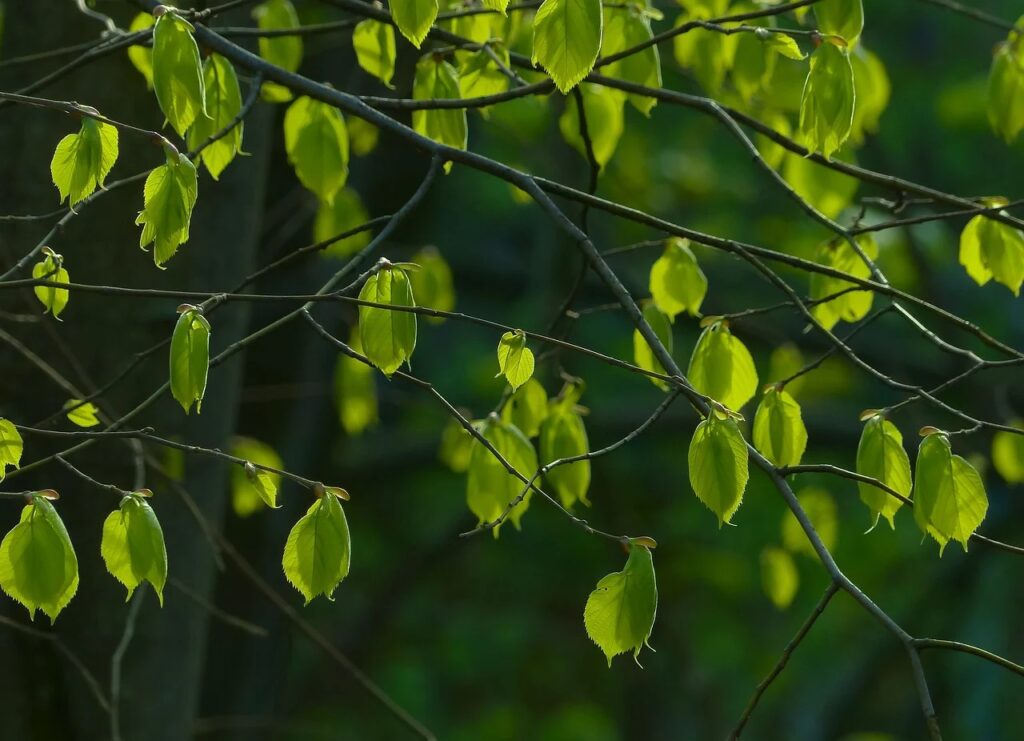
721, 367
991, 249
436, 78
619, 614
643, 355
82, 161
949, 497
826, 107
779, 432
190, 358
456, 445
355, 390
567, 39
374, 43
563, 435
718, 465
253, 487
133, 545
515, 359
11, 447
851, 306
389, 337
490, 487
625, 28
51, 268
880, 455
676, 282
223, 104
178, 72
168, 198
414, 18
281, 51
316, 141
318, 552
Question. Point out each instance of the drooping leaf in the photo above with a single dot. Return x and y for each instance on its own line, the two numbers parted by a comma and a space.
82, 161
840, 17
563, 435
1007, 454
625, 28
721, 367
1006, 88
853, 305
141, 56
718, 466
677, 283
991, 249
480, 76
821, 510
355, 390
706, 54
490, 487
643, 356
436, 78
779, 432
51, 268
527, 408
880, 455
389, 337
82, 414
432, 284
281, 51
253, 488
779, 576
456, 446
190, 358
567, 39
619, 614
873, 90
605, 121
826, 108
949, 497
316, 140
133, 546
414, 18
374, 43
344, 213
318, 552
223, 104
11, 446
177, 72
169, 195
515, 359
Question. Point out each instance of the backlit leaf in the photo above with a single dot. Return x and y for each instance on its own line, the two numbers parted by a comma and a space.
281, 51
826, 108
82, 414
223, 104
389, 337
414, 18
949, 496
317, 144
1006, 89
252, 488
677, 283
527, 408
1008, 454
567, 39
605, 121
133, 546
563, 435
318, 552
169, 195
374, 43
721, 367
718, 466
821, 510
515, 359
355, 390
456, 446
11, 446
880, 455
432, 284
625, 28
619, 614
853, 305
190, 358
177, 72
345, 212
51, 268
490, 488
990, 249
840, 17
779, 432
643, 356
873, 89
779, 576
141, 56
82, 161
436, 78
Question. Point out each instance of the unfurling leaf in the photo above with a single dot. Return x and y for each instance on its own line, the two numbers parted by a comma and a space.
317, 144
677, 283
643, 356
281, 51
355, 390
779, 432
991, 249
82, 413
82, 161
435, 78
133, 546
840, 17
949, 496
1007, 453
490, 487
11, 446
721, 367
515, 359
374, 43
826, 108
853, 305
51, 268
432, 284
253, 487
389, 337
605, 121
567, 39
141, 56
625, 28
414, 18
718, 465
821, 511
619, 614
1006, 88
319, 549
38, 566
779, 576
345, 213
880, 455
563, 435
223, 104
177, 72
168, 198
190, 358
527, 408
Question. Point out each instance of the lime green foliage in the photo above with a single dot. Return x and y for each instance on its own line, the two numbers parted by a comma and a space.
168, 198
432, 284
252, 488
853, 305
821, 510
38, 566
566, 39
82, 161
785, 360
317, 144
190, 358
718, 465
51, 268
479, 75
721, 367
140, 56
1008, 454
880, 455
625, 28
346, 211
435, 78
362, 136
779, 576
605, 121
490, 487
414, 18
133, 546
82, 414
456, 446
499, 5
223, 104
527, 408
949, 496
374, 43
282, 51
1006, 87
677, 283
827, 190
840, 17
11, 446
355, 390
873, 90
318, 552
563, 435
619, 614
515, 359
779, 432
990, 249
826, 108
389, 337
706, 54
177, 72
643, 356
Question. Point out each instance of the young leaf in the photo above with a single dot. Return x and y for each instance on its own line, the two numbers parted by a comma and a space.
223, 104
479, 75
605, 121
168, 198
11, 446
619, 614
821, 510
38, 566
515, 359
414, 18
252, 487
190, 358
567, 39
873, 90
779, 432
435, 78
177, 72
317, 144
141, 56
721, 367
1007, 454
374, 43
82, 161
779, 576
456, 446
319, 549
677, 283
990, 249
563, 435
707, 55
829, 191
880, 455
851, 306
490, 488
826, 108
718, 466
133, 546
643, 356
51, 268
949, 496
355, 390
527, 408
625, 28
1006, 89
840, 17
82, 414
281, 51
344, 213
432, 284
389, 337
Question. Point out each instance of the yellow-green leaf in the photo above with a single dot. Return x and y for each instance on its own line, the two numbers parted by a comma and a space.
949, 496
821, 510
435, 78
567, 39
374, 43
643, 356
1006, 89
826, 108
827, 190
389, 337
490, 488
318, 552
223, 104
177, 72
253, 487
355, 390
625, 28
414, 18
873, 89
1007, 453
619, 614
190, 358
527, 408
345, 212
779, 432
11, 446
82, 161
605, 121
563, 435
168, 198
281, 51
133, 546
317, 144
779, 576
990, 249
456, 446
853, 305
432, 284
141, 56
51, 268
840, 17
880, 455
721, 367
480, 76
677, 283
718, 466
82, 414
515, 359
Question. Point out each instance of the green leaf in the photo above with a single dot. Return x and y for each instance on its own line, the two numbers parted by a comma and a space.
11, 446
414, 18
821, 510
480, 76
605, 121
567, 39
677, 283
854, 305
141, 56
319, 550
721, 367
840, 17
190, 358
362, 136
355, 390
223, 104
515, 359
252, 488
779, 432
563, 435
133, 546
345, 212
389, 337
317, 144
779, 576
785, 360
619, 614
82, 161
51, 268
500, 5
880, 455
706, 54
489, 486
625, 28
432, 284
456, 446
1007, 453
1006, 89
949, 496
281, 51
82, 414
177, 72
990, 249
784, 45
168, 198
718, 466
873, 90
827, 190
826, 108
527, 408
435, 78
374, 43
38, 566
643, 356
